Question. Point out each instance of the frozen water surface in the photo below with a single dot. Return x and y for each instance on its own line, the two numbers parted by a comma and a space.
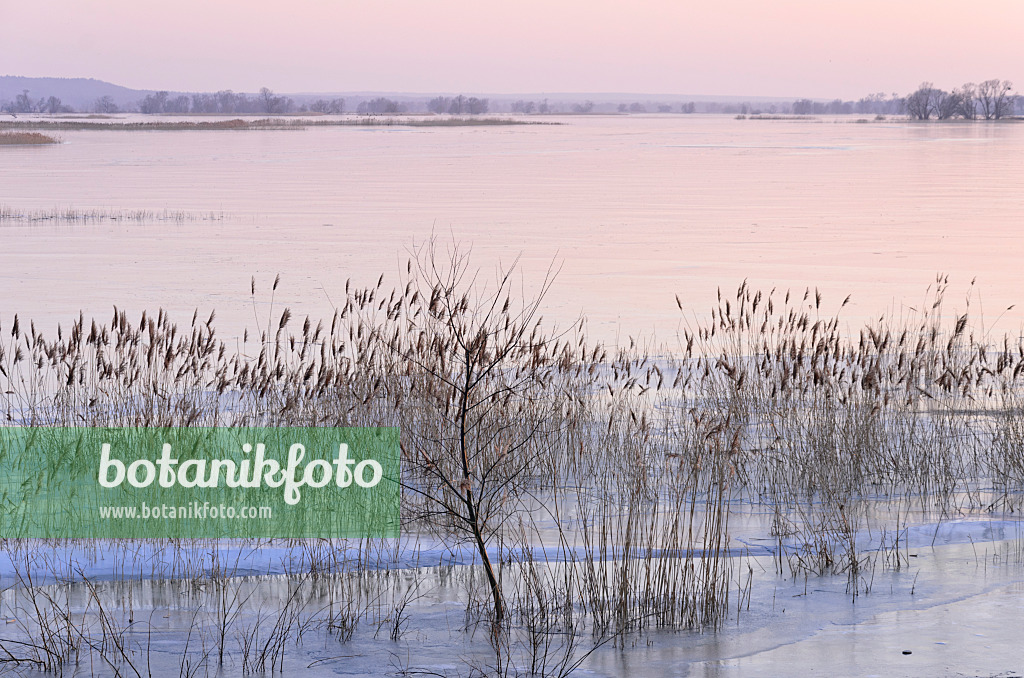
951, 609
640, 209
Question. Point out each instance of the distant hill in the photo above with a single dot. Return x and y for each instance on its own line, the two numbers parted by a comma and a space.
79, 93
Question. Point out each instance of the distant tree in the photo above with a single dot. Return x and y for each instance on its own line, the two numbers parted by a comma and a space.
966, 97
268, 99
179, 104
54, 106
227, 101
664, 108
995, 98
544, 107
523, 107
637, 107
803, 107
585, 107
947, 104
439, 104
688, 108
457, 105
880, 104
271, 103
379, 105
153, 103
105, 105
23, 103
839, 107
204, 103
623, 108
923, 103
332, 107
475, 106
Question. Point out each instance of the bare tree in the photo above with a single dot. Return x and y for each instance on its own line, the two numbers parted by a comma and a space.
522, 106
967, 95
23, 103
1003, 101
379, 105
273, 104
477, 363
475, 106
803, 107
439, 104
227, 101
457, 105
105, 105
154, 103
54, 106
924, 102
947, 104
204, 103
179, 104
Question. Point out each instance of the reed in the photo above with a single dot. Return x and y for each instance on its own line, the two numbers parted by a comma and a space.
73, 215
26, 139
591, 487
14, 127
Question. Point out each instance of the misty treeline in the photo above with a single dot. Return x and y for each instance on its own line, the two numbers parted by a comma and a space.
460, 105
23, 103
223, 102
228, 102
988, 100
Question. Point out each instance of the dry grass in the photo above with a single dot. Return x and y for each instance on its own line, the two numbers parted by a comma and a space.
84, 216
25, 139
595, 485
261, 123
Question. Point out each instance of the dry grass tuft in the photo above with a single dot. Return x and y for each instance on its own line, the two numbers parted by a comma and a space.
25, 139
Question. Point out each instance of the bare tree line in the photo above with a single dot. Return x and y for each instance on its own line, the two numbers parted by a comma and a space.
460, 105
989, 100
23, 103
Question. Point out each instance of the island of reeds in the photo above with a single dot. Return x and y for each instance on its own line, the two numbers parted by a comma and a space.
66, 124
19, 138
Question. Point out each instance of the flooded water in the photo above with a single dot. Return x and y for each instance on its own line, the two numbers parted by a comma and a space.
953, 610
634, 209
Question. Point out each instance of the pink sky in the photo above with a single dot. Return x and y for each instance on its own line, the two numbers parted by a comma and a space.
817, 48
